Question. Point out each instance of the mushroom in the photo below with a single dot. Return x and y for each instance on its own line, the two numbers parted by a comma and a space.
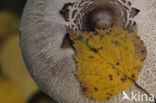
51, 64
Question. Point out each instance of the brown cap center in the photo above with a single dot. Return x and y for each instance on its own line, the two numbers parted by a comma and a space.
100, 18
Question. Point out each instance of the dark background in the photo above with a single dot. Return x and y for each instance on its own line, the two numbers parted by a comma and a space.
15, 6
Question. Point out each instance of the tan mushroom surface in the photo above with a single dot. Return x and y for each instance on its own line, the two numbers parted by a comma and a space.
51, 66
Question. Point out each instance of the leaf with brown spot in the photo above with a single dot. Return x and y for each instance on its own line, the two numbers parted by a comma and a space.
116, 66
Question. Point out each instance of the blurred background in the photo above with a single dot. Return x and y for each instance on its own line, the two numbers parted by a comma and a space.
16, 85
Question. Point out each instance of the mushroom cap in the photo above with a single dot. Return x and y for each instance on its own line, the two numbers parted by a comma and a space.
42, 33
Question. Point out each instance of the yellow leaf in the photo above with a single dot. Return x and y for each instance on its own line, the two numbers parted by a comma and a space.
9, 24
109, 61
9, 92
13, 67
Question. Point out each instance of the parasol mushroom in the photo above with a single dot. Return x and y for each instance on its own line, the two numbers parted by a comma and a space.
52, 65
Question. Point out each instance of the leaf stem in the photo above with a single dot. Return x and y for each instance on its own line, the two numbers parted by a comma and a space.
138, 86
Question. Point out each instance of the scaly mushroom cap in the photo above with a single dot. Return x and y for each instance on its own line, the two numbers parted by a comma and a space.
52, 67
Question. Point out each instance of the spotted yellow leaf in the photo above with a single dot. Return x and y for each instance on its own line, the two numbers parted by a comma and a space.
108, 61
